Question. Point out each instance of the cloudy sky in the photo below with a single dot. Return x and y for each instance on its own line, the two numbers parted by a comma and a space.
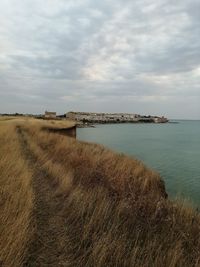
136, 56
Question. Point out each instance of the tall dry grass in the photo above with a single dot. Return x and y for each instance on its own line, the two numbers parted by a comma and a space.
6, 118
110, 209
115, 209
16, 200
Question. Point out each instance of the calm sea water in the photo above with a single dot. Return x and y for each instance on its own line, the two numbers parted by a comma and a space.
173, 149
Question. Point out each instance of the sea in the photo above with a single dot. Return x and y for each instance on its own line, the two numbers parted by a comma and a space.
172, 149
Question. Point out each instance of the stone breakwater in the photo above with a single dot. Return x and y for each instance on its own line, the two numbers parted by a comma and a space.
89, 117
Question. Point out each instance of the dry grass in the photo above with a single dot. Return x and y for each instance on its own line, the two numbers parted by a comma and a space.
94, 207
16, 200
50, 123
6, 118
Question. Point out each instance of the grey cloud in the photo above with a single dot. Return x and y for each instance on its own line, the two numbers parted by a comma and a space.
53, 67
67, 53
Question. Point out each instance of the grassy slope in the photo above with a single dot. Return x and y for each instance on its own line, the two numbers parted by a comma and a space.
89, 206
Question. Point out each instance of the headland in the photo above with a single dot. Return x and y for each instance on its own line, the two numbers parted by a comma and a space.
91, 117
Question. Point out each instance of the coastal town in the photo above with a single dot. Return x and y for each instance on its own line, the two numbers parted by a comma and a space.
91, 117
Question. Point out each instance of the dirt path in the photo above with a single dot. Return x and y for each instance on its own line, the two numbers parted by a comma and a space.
47, 248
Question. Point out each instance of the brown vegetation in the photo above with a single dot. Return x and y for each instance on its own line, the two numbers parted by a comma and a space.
69, 203
16, 200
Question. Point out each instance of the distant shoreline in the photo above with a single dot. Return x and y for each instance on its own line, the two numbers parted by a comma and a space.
104, 118
93, 125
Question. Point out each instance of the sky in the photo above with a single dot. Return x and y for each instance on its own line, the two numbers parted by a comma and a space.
136, 56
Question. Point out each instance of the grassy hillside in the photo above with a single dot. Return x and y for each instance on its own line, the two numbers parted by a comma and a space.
70, 203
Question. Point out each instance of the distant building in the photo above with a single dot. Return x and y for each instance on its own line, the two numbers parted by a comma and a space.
50, 115
71, 115
160, 119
